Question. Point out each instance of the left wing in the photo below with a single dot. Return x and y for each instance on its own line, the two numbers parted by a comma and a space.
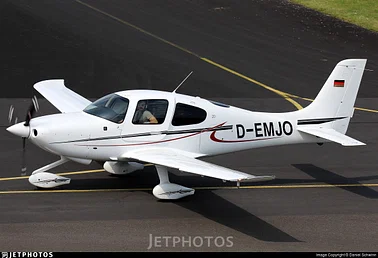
64, 99
173, 159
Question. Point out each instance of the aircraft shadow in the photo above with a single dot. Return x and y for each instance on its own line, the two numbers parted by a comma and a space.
132, 181
204, 202
329, 177
213, 207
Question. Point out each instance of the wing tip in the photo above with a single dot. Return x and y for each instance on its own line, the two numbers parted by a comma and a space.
348, 144
48, 83
258, 179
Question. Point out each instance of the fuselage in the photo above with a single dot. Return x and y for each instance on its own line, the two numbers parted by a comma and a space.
191, 124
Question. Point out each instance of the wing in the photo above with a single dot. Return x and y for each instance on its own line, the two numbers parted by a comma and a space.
64, 99
172, 159
331, 135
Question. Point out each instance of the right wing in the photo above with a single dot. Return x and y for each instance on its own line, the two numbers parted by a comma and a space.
173, 159
64, 99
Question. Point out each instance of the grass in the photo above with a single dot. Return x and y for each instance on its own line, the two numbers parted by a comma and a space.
363, 13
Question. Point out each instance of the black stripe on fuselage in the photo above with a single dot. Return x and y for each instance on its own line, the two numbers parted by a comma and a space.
318, 120
222, 128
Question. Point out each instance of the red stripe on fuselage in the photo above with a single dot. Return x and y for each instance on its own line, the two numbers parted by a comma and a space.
146, 143
213, 138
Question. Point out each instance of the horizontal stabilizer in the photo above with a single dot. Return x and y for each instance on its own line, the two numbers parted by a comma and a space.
331, 135
173, 159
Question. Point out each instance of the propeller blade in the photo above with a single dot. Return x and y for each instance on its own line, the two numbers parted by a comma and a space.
29, 115
35, 103
10, 114
23, 168
34, 106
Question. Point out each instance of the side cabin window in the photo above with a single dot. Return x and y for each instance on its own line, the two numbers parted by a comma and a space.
188, 115
111, 107
150, 111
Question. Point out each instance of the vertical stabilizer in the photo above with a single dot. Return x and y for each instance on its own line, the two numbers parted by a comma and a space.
337, 97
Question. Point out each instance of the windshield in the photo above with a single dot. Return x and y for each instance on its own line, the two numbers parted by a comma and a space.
111, 107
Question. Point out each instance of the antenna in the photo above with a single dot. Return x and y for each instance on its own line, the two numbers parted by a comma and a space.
182, 81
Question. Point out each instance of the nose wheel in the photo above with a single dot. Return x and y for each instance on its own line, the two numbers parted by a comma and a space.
42, 179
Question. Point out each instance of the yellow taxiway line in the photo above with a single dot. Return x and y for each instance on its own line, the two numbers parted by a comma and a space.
287, 96
61, 174
196, 188
295, 186
357, 108
281, 93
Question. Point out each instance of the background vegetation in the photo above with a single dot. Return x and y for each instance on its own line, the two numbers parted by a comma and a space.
363, 13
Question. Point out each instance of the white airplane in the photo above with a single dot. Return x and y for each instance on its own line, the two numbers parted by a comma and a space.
128, 129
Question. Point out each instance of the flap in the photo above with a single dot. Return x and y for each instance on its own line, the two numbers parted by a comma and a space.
173, 159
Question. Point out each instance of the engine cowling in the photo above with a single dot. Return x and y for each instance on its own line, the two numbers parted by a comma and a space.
122, 168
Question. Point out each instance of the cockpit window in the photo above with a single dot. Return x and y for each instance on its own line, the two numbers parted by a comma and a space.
150, 111
188, 115
111, 107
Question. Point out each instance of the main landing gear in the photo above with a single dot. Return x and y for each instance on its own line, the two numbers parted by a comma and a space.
164, 190
167, 190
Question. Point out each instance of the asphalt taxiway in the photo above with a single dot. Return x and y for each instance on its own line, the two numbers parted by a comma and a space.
261, 55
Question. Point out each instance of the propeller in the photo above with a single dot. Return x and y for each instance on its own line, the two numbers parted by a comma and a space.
33, 108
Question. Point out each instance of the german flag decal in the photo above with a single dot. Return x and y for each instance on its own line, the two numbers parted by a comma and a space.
338, 83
